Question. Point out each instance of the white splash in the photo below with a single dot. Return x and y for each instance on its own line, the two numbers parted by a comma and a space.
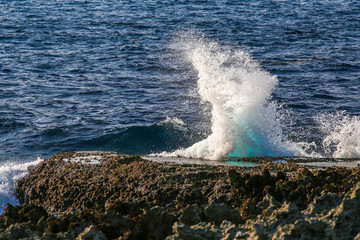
244, 121
10, 173
174, 121
342, 134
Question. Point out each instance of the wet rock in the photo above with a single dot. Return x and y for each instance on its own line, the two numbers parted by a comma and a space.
357, 237
268, 205
231, 231
53, 225
219, 212
221, 193
11, 215
191, 215
324, 203
354, 193
347, 215
257, 232
303, 229
196, 232
156, 223
18, 231
114, 225
204, 230
131, 208
287, 210
32, 213
91, 233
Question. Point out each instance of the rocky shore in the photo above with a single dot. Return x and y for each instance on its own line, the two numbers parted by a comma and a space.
104, 195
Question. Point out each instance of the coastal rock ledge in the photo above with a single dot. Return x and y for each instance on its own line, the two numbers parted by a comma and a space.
106, 195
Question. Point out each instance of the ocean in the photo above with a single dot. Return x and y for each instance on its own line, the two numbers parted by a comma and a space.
200, 79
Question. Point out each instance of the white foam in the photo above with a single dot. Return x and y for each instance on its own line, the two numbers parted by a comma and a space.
244, 121
342, 134
175, 122
10, 173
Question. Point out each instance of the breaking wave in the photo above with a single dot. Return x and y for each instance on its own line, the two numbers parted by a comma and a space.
245, 121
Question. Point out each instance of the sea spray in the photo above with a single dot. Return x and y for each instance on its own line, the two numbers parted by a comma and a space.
244, 121
10, 173
341, 134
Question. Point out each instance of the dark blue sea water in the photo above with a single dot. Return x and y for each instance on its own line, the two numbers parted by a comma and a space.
127, 76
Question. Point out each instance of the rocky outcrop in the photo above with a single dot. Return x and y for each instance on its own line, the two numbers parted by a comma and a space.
100, 195
62, 185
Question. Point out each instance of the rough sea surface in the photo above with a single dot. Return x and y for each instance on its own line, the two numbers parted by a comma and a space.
251, 78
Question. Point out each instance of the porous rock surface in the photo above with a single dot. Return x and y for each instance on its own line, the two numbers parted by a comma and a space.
103, 195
